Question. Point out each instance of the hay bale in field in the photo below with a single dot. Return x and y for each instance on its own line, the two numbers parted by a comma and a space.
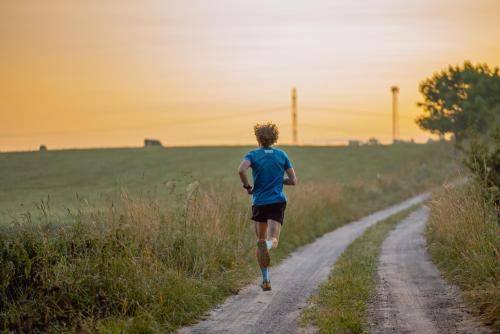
373, 141
401, 141
354, 143
43, 148
152, 142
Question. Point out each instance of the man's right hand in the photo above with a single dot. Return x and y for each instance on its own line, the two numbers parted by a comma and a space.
248, 188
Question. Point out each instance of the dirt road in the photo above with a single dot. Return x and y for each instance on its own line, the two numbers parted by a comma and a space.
253, 311
411, 295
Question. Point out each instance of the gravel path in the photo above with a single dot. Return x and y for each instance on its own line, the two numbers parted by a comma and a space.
293, 280
411, 295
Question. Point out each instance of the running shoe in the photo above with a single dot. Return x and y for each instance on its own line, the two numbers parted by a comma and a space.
266, 286
263, 254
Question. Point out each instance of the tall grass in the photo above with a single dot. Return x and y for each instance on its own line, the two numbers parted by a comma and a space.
139, 259
145, 263
464, 240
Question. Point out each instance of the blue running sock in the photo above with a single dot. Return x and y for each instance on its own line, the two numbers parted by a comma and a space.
265, 274
269, 244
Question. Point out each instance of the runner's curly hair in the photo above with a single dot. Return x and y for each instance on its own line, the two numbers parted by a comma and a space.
267, 134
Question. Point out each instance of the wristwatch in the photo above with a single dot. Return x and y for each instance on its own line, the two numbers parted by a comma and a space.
247, 186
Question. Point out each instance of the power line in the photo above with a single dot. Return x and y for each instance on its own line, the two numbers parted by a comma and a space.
157, 124
229, 116
323, 127
352, 112
349, 112
226, 116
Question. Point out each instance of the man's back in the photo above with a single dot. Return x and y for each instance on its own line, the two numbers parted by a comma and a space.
268, 166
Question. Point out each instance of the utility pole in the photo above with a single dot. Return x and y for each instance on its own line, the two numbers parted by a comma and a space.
294, 116
395, 116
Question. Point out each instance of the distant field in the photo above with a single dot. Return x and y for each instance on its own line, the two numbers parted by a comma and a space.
97, 175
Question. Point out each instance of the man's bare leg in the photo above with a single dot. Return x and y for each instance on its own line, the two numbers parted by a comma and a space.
273, 232
262, 251
263, 257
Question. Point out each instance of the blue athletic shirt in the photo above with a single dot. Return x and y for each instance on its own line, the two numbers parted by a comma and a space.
268, 166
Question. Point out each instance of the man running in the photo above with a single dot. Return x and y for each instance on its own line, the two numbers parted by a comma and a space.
269, 202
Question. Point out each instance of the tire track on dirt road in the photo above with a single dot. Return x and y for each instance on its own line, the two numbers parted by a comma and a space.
411, 295
293, 281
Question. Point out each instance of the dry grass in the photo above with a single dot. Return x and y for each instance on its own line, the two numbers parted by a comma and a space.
136, 260
464, 240
94, 269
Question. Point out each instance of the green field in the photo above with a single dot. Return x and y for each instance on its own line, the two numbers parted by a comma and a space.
111, 239
97, 175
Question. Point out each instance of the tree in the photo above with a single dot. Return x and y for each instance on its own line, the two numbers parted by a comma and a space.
463, 101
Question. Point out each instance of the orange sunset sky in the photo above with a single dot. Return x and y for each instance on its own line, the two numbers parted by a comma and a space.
110, 73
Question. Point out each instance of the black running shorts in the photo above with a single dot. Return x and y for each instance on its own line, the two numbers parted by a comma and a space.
275, 211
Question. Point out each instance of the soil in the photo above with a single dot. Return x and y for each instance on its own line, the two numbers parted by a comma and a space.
412, 297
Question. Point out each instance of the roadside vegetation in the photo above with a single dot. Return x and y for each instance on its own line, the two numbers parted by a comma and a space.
155, 250
463, 231
463, 237
340, 304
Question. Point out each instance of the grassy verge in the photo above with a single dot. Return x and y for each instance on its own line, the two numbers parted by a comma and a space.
341, 302
463, 237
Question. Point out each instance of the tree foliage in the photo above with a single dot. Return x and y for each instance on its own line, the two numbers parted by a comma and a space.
461, 100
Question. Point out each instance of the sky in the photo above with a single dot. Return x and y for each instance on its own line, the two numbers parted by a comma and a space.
78, 74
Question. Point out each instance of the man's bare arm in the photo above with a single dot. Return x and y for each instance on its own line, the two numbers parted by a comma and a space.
242, 171
291, 178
